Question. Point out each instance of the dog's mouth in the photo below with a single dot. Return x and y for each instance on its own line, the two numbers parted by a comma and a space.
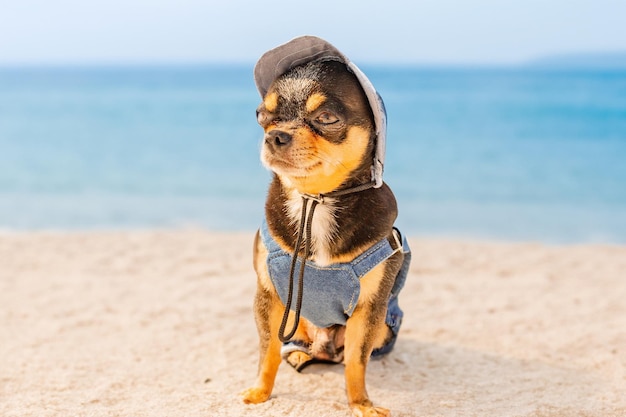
295, 169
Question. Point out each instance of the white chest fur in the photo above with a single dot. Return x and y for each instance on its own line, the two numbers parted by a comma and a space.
323, 226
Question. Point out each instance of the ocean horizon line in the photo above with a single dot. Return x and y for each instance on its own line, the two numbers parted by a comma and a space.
584, 60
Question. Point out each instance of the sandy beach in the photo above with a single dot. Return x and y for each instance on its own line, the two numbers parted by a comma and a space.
159, 323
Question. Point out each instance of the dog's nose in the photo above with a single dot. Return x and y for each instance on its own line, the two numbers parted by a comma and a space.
278, 137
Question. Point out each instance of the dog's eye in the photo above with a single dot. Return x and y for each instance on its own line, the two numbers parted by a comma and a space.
326, 118
261, 117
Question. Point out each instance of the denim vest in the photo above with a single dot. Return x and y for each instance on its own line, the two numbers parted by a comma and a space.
331, 292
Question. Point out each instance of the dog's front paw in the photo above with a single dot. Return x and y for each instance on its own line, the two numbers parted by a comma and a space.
255, 395
369, 411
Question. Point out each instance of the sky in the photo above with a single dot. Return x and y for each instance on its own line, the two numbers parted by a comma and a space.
431, 32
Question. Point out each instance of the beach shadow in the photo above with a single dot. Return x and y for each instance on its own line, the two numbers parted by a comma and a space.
435, 379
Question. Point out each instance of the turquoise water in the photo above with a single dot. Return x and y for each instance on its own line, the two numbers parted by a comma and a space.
491, 153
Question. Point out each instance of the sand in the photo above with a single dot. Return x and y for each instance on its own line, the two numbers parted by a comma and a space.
159, 323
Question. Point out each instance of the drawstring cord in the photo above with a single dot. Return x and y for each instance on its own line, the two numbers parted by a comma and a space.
304, 235
305, 223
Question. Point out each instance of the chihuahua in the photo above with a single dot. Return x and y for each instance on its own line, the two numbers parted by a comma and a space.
329, 262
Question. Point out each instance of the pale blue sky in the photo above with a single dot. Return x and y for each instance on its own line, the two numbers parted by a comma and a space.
417, 31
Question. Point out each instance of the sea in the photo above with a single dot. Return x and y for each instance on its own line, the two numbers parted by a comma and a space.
505, 153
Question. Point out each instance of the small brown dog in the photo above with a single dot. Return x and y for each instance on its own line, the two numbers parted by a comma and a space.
328, 221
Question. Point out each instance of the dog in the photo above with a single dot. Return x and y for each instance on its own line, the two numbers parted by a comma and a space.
329, 262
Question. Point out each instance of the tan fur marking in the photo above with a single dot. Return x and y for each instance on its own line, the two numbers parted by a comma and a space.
337, 162
260, 266
268, 367
355, 357
271, 102
355, 368
370, 282
370, 286
313, 102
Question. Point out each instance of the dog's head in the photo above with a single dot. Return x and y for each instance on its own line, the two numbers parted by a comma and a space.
325, 124
319, 127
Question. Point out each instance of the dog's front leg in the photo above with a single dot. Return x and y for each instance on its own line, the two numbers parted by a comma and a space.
361, 332
268, 312
364, 330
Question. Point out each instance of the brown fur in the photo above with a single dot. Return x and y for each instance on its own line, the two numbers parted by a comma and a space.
319, 137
